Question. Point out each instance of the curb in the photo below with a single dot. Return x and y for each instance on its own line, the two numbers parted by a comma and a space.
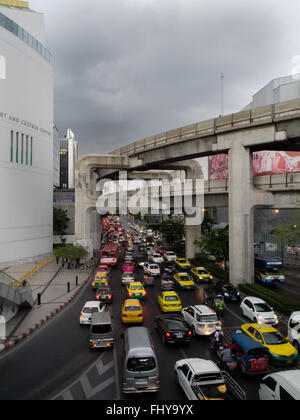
11, 343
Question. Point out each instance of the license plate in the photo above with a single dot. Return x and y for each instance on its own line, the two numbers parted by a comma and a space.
179, 335
141, 382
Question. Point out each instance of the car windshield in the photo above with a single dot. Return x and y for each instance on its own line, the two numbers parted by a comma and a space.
132, 308
271, 271
108, 255
208, 318
104, 290
171, 298
274, 338
136, 287
202, 272
184, 278
141, 364
262, 307
127, 275
175, 325
101, 329
153, 267
156, 256
90, 310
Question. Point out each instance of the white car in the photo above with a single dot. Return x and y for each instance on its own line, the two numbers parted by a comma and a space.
202, 319
127, 277
151, 269
294, 330
170, 256
157, 258
88, 310
149, 232
258, 311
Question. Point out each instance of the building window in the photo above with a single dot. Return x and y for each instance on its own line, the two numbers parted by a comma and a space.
31, 145
17, 147
22, 149
11, 146
26, 150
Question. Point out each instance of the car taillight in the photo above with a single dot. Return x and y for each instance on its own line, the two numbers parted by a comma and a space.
93, 284
109, 296
157, 379
168, 335
220, 323
124, 381
190, 333
97, 297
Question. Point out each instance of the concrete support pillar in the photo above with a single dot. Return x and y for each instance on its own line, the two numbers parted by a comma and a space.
192, 233
243, 197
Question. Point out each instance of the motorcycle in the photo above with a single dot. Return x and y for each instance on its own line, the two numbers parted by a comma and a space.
229, 366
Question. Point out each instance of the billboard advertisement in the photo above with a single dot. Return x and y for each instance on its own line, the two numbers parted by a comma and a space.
264, 163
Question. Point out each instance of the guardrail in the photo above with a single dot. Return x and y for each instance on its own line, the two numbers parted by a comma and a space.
240, 120
18, 283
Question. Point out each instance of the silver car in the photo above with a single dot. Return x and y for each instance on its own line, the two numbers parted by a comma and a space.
127, 277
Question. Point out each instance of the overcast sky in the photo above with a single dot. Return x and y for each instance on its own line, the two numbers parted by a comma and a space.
129, 69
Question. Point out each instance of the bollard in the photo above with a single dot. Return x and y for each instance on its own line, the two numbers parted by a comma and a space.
39, 299
76, 280
68, 287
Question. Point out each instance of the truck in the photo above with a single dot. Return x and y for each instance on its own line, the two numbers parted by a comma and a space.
202, 379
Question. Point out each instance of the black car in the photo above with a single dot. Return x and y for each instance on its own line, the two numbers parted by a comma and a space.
173, 329
168, 268
228, 291
104, 294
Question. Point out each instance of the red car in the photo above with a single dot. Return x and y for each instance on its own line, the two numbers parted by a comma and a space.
128, 266
160, 250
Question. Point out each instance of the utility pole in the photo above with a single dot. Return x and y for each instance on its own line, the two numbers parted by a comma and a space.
222, 94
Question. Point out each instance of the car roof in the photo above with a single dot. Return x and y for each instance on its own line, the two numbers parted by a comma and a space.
296, 315
93, 303
169, 293
132, 302
260, 327
101, 318
254, 299
205, 310
290, 376
202, 365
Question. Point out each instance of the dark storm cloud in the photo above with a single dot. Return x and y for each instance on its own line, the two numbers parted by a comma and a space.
127, 69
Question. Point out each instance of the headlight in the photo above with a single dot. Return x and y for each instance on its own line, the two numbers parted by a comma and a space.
226, 294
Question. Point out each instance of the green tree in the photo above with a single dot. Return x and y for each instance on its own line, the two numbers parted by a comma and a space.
288, 233
172, 230
60, 221
71, 253
216, 242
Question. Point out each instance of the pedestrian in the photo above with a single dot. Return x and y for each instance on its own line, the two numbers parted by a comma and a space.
57, 259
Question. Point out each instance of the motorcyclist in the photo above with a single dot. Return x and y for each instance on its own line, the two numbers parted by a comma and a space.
225, 356
218, 338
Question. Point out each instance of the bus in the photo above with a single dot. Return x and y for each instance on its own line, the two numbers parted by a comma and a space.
269, 270
109, 255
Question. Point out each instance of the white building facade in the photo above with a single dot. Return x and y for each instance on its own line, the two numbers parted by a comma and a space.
26, 136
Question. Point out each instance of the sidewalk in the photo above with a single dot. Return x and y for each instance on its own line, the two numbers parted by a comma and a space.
51, 282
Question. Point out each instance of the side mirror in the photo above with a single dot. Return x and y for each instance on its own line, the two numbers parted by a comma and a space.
179, 368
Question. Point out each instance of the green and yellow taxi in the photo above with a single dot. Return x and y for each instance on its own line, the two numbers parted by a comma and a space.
135, 290
182, 264
101, 279
201, 275
281, 352
184, 281
169, 302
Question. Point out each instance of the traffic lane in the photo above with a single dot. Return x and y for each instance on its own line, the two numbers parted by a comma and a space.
291, 288
49, 359
166, 356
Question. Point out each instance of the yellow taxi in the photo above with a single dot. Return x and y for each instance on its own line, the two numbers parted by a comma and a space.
182, 263
135, 290
169, 302
281, 352
132, 311
101, 279
184, 281
200, 274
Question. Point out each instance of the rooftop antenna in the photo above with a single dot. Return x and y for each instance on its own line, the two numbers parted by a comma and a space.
222, 94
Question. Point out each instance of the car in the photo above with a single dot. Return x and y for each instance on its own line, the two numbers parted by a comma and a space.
294, 330
173, 329
229, 292
160, 250
201, 275
128, 266
169, 302
101, 279
128, 258
170, 256
258, 311
142, 248
157, 258
135, 290
281, 352
168, 267
104, 269
202, 319
184, 281
151, 269
127, 277
183, 263
87, 311
149, 232
104, 294
129, 248
132, 311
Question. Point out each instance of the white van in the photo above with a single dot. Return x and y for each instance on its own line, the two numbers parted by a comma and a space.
294, 330
280, 386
